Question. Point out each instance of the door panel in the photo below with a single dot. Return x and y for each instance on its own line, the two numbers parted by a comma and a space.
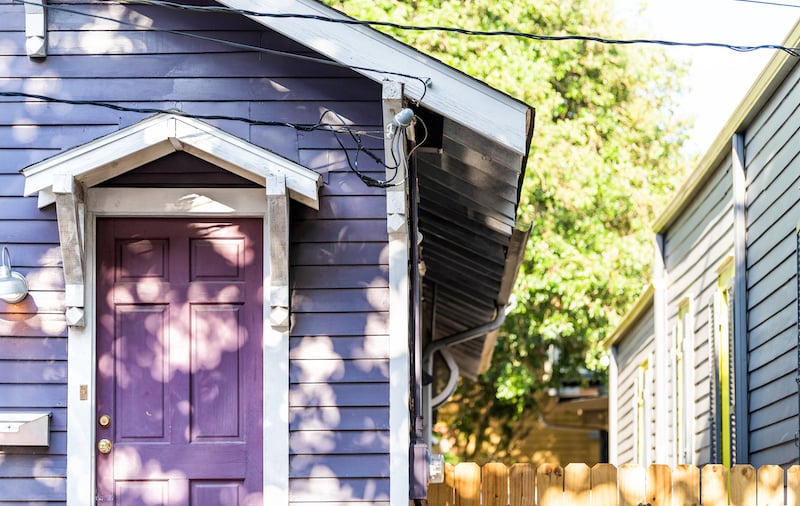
179, 361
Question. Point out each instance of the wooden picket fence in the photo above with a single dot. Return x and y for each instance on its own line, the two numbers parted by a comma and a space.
494, 484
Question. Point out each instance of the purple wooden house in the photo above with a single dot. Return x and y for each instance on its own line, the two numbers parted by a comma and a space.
240, 236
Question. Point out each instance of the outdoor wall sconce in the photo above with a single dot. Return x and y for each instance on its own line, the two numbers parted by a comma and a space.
13, 287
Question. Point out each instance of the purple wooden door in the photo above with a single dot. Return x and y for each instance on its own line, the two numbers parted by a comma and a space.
179, 389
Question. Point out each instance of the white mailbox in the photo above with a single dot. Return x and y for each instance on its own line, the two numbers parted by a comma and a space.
25, 429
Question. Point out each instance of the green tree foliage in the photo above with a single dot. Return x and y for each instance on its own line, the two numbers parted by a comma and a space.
606, 154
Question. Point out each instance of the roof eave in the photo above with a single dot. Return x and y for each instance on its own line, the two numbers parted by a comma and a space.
516, 255
644, 302
455, 95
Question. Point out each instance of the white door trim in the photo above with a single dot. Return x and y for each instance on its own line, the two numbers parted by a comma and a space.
81, 344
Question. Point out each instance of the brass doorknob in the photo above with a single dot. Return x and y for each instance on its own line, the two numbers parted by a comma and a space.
104, 421
104, 446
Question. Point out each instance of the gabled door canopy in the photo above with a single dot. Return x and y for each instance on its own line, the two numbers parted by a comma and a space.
119, 152
63, 178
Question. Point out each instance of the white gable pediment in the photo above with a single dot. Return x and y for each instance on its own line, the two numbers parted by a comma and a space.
126, 149
67, 178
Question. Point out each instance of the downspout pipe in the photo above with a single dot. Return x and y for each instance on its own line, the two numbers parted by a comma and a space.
466, 335
452, 381
516, 253
443, 344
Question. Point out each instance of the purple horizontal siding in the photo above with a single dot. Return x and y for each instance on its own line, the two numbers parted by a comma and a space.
342, 276
46, 113
46, 371
323, 139
342, 394
10, 185
16, 325
340, 491
187, 88
283, 140
15, 346
17, 208
39, 230
64, 43
340, 442
343, 230
343, 347
190, 65
52, 136
42, 395
179, 170
322, 418
344, 206
339, 346
333, 253
340, 324
355, 113
336, 300
17, 158
339, 371
346, 466
35, 255
159, 17
26, 490
347, 183
44, 278
20, 466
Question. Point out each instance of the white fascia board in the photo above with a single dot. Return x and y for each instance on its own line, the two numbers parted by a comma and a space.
157, 136
150, 135
247, 160
450, 92
644, 302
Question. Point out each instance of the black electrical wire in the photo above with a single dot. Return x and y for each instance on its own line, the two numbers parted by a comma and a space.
335, 129
424, 81
764, 2
368, 180
464, 31
154, 110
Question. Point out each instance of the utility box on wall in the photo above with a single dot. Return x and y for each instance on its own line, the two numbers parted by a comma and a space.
25, 429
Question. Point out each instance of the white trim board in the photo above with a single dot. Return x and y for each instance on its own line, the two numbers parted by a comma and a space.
81, 344
399, 311
152, 138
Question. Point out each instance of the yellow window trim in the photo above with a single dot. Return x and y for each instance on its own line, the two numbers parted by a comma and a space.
724, 283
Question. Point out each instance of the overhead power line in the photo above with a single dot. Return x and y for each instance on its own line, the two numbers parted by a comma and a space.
334, 128
464, 31
764, 2
424, 81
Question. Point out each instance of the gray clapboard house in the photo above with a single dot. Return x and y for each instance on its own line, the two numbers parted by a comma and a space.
239, 234
704, 366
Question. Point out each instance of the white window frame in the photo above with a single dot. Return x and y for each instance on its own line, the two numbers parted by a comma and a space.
725, 362
643, 410
684, 383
